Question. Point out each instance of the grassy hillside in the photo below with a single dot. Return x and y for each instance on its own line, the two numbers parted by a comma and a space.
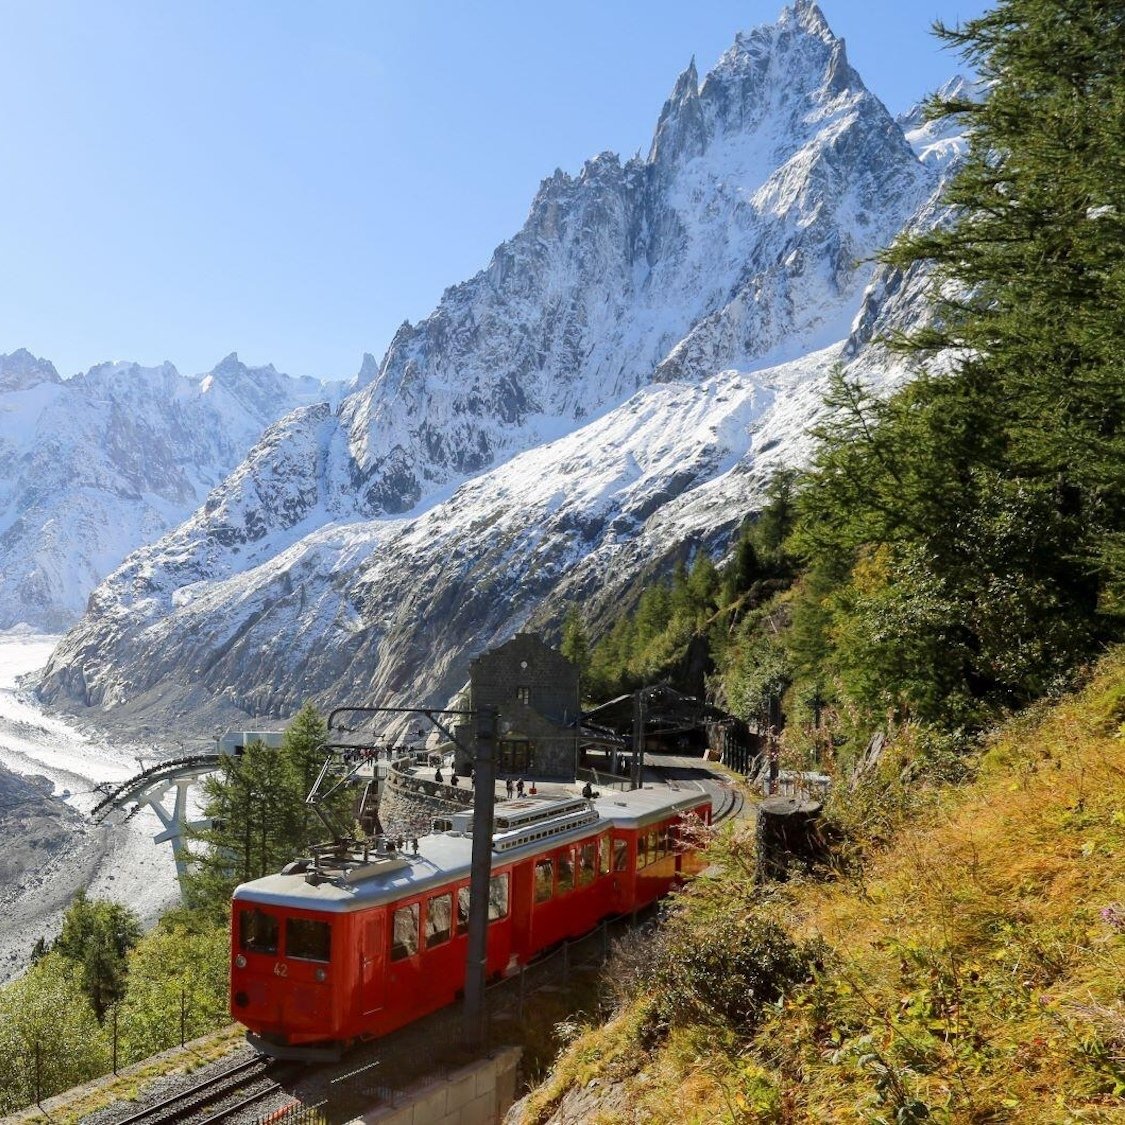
971, 970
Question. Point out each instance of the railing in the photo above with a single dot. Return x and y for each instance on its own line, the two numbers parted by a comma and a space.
603, 779
156, 772
409, 783
427, 1052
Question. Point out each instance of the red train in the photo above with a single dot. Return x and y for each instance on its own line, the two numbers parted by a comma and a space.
352, 945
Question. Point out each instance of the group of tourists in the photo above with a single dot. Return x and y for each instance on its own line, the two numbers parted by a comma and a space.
512, 787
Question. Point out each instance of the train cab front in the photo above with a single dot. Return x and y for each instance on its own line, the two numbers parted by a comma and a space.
283, 980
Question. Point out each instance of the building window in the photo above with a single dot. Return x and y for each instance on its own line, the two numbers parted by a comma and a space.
523, 694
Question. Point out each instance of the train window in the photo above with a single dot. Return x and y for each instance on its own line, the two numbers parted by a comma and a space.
588, 867
566, 871
463, 910
258, 931
308, 939
404, 936
439, 920
603, 855
620, 855
662, 840
544, 880
653, 852
498, 898
642, 853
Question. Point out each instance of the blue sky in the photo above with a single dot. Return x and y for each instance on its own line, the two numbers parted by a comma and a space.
292, 180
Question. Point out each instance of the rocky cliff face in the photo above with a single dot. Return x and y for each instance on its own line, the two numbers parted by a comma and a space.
95, 466
736, 241
619, 382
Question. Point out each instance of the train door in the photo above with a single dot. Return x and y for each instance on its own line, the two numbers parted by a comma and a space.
371, 962
521, 896
404, 964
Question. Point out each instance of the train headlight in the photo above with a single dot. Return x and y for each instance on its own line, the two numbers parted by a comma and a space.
240, 962
321, 975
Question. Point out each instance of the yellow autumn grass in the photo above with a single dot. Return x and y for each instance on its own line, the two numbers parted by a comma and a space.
978, 963
976, 972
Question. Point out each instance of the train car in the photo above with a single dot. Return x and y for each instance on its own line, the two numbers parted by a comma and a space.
354, 943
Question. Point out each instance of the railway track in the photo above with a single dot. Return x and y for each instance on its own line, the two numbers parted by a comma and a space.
223, 1096
732, 803
728, 801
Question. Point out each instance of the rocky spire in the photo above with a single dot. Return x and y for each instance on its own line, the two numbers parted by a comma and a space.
680, 132
809, 16
21, 369
368, 370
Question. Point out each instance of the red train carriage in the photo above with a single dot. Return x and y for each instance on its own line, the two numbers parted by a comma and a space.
353, 945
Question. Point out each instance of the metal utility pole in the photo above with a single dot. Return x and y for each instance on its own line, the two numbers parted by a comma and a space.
773, 721
484, 799
638, 763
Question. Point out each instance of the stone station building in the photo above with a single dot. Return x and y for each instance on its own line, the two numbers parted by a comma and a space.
534, 689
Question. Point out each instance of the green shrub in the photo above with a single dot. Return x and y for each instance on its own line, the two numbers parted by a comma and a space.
725, 971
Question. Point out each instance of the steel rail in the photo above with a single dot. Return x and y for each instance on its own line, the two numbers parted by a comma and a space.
197, 1096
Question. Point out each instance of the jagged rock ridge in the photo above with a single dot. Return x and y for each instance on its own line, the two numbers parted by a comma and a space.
95, 466
616, 384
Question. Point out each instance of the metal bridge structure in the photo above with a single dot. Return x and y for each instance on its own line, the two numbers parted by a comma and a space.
149, 788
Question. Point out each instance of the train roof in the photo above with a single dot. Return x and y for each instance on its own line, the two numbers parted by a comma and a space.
342, 882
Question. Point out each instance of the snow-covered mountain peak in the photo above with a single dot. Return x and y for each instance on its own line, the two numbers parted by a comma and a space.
781, 72
20, 370
616, 384
123, 380
617, 266
807, 15
940, 143
94, 466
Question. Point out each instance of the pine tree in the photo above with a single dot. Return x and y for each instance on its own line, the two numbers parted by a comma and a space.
575, 644
968, 535
1037, 260
259, 818
97, 937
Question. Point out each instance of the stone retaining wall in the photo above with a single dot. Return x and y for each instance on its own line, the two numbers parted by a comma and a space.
478, 1094
409, 803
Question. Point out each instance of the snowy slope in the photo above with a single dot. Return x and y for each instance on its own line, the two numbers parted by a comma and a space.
940, 144
619, 381
735, 243
95, 466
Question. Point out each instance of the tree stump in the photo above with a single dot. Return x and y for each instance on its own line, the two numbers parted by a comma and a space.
787, 831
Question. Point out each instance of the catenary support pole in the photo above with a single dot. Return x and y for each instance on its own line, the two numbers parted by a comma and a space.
637, 766
484, 798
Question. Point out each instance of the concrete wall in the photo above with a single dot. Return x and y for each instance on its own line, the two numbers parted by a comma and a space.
478, 1094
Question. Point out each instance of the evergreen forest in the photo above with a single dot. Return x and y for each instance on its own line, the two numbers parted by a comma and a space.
956, 551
